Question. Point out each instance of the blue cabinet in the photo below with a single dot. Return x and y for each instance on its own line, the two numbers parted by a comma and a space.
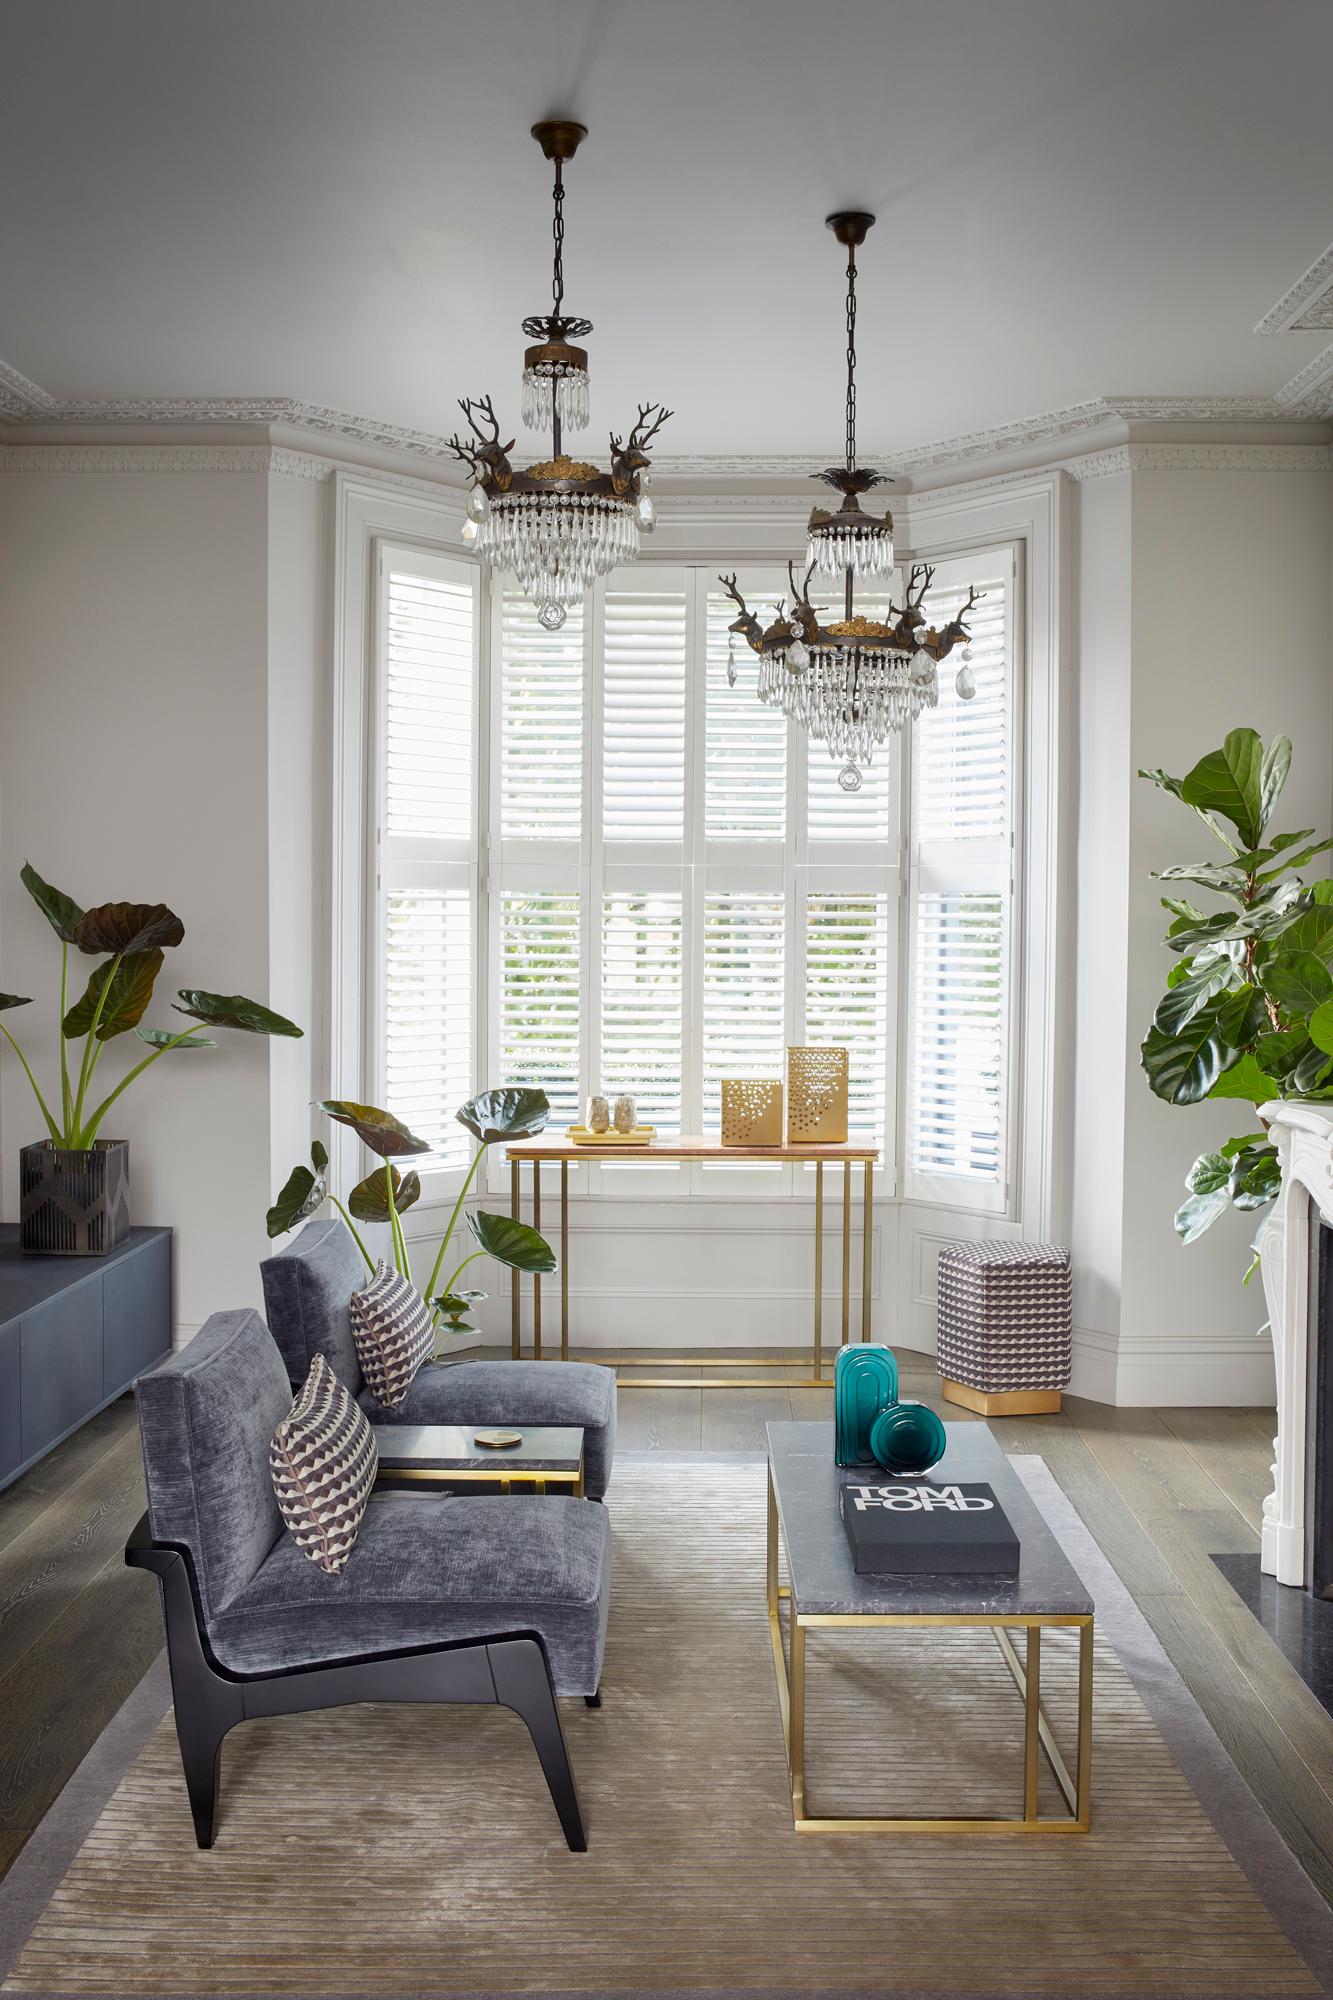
74, 1333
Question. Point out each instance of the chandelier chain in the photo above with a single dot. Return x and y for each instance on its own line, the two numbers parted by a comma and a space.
558, 238
851, 357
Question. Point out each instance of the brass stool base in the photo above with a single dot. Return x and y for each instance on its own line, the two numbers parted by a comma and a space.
1002, 1402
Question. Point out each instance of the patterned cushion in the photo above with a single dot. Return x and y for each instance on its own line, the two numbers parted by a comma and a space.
393, 1332
323, 1460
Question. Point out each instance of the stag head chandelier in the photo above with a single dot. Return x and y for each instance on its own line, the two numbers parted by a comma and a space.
560, 523
854, 681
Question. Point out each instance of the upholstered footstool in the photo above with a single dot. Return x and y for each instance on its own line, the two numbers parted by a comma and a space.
1003, 1326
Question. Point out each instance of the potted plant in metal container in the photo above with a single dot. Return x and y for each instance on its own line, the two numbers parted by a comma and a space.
74, 1192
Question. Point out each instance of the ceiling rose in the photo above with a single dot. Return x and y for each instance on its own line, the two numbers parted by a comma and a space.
560, 523
855, 681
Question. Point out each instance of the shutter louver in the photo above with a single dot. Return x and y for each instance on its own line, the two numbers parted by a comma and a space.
643, 753
541, 724
847, 996
961, 832
429, 787
427, 862
745, 754
744, 992
958, 1004
428, 1015
539, 1006
961, 775
641, 1004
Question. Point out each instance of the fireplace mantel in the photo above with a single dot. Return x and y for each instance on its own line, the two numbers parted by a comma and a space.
1303, 1135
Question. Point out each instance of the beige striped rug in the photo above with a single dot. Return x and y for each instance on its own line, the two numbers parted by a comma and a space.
403, 1851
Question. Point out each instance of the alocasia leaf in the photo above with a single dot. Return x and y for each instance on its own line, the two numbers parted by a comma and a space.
505, 1114
127, 927
62, 912
233, 1010
369, 1199
127, 995
380, 1130
512, 1243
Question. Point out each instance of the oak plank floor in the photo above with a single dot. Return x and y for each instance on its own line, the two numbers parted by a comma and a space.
1162, 1491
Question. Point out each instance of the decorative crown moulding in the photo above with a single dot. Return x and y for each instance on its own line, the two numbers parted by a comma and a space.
1309, 303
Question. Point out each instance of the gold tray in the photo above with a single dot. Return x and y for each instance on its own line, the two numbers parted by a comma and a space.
642, 1135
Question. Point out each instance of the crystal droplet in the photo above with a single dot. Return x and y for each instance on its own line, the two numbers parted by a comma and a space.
550, 615
479, 504
731, 660
647, 513
797, 657
966, 682
849, 779
470, 534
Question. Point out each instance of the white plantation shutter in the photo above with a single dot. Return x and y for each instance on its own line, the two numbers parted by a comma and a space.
540, 996
427, 876
641, 1004
428, 1015
961, 905
643, 714
745, 752
744, 991
541, 723
847, 998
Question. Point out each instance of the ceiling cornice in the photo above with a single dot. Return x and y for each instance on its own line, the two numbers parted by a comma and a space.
1301, 305
1307, 398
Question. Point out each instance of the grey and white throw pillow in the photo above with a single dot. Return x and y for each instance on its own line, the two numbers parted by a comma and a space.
323, 1460
393, 1333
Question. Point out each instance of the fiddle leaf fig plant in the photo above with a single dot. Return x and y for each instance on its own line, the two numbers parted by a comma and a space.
130, 940
493, 1118
1248, 1010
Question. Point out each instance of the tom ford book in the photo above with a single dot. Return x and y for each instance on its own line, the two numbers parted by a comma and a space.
914, 1527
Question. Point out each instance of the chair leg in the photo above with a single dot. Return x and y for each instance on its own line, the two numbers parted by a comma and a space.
200, 1740
523, 1683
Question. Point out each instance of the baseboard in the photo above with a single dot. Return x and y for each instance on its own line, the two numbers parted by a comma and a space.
1201, 1371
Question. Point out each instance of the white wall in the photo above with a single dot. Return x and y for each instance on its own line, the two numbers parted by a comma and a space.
1232, 626
144, 657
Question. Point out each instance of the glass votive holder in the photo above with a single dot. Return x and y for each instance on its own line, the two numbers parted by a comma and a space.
625, 1116
598, 1118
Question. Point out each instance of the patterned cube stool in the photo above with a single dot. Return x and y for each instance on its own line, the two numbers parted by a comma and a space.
1003, 1333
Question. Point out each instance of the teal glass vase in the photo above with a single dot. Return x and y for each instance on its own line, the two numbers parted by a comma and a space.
865, 1384
908, 1438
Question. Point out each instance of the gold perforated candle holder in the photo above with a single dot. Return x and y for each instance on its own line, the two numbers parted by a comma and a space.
751, 1111
816, 1096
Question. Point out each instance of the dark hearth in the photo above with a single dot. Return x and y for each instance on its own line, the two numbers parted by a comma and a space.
1299, 1624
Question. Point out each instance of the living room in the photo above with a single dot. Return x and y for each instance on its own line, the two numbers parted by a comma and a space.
666, 998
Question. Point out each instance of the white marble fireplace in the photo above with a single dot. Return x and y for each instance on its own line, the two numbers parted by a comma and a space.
1303, 1134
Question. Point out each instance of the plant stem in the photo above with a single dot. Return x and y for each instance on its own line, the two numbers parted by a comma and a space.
90, 1040
463, 1266
399, 1240
65, 1102
51, 1125
89, 1132
355, 1233
453, 1219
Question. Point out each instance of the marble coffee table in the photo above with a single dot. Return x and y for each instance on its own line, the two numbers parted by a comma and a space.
825, 1590
550, 1455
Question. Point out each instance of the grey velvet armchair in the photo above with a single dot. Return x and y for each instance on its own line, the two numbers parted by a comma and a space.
307, 1285
488, 1599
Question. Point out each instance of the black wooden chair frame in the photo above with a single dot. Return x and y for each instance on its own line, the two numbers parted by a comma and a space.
508, 1670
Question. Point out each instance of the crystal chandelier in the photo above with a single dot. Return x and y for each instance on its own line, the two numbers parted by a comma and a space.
855, 681
560, 523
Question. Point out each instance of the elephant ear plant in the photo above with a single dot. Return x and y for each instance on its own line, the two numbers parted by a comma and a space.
497, 1116
128, 940
1248, 1010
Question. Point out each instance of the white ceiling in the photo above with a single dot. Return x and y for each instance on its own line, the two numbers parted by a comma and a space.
337, 200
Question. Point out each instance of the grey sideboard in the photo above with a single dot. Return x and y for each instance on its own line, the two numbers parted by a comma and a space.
74, 1333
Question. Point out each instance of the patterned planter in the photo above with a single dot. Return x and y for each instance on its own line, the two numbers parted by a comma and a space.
74, 1204
1003, 1326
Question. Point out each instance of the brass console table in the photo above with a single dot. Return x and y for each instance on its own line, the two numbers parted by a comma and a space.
537, 1153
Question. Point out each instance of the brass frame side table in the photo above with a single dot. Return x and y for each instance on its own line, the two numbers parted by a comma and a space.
537, 1153
448, 1455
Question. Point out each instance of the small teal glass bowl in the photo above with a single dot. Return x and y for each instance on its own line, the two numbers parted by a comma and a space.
908, 1438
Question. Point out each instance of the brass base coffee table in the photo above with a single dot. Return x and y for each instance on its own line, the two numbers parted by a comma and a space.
825, 1590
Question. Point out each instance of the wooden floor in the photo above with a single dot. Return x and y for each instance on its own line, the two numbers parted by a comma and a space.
1162, 1490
